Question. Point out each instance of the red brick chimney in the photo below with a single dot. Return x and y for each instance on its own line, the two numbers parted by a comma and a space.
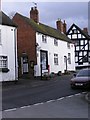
85, 30
61, 26
64, 27
34, 14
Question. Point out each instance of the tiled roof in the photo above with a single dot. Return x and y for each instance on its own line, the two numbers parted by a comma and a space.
82, 32
5, 20
45, 29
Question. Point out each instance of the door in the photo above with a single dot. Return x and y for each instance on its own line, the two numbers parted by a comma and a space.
44, 59
24, 61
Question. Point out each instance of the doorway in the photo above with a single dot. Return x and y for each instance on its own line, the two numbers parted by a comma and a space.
24, 61
44, 59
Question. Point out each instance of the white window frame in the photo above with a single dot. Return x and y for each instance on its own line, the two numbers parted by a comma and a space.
69, 58
55, 59
55, 42
44, 38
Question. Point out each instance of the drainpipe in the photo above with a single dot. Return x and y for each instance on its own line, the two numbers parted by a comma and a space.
66, 62
15, 48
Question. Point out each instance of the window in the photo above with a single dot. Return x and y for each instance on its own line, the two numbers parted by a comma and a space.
68, 45
56, 59
69, 58
0, 36
44, 39
85, 59
76, 53
3, 61
75, 31
77, 43
55, 42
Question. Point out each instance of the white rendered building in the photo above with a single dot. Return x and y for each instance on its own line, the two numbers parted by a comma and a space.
8, 49
42, 48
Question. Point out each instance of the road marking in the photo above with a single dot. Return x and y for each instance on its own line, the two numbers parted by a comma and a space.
60, 98
36, 104
10, 110
50, 101
70, 96
25, 107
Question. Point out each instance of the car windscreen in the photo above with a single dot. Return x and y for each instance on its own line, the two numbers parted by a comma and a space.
83, 73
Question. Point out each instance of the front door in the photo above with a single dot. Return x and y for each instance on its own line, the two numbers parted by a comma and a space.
24, 61
44, 59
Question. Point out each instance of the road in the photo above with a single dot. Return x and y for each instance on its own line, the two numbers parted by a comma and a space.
67, 107
23, 96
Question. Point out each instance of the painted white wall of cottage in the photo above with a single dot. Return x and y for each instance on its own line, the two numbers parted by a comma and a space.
61, 50
7, 48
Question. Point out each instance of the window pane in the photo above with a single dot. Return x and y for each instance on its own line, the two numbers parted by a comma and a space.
55, 42
56, 59
44, 38
3, 61
69, 58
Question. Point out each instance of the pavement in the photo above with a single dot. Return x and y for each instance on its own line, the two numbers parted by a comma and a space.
33, 82
87, 97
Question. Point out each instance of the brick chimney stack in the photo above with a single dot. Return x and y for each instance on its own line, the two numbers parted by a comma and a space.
85, 30
34, 14
61, 26
64, 27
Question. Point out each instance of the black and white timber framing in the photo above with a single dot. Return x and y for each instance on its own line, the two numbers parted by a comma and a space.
82, 46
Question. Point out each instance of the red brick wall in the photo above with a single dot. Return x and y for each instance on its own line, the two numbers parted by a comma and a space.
26, 40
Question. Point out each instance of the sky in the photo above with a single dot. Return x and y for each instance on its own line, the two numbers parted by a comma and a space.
49, 12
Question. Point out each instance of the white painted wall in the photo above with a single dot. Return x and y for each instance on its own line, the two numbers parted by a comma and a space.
61, 50
7, 48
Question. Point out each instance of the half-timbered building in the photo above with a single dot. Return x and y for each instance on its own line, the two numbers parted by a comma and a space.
82, 46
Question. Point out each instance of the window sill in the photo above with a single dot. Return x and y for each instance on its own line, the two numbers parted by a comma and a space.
56, 64
4, 70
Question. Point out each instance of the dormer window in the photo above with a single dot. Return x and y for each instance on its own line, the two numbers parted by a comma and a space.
55, 42
44, 39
